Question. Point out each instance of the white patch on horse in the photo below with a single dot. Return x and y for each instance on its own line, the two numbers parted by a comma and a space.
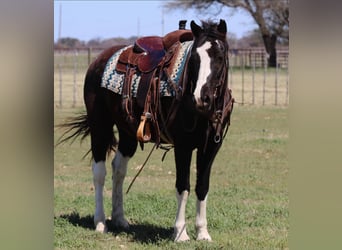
204, 70
180, 233
201, 220
119, 166
99, 175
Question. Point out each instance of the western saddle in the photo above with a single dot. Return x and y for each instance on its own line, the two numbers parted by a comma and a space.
152, 58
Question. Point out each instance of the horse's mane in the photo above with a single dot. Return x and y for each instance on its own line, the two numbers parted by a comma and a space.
210, 29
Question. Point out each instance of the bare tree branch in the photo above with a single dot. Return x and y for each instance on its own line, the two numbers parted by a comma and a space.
272, 16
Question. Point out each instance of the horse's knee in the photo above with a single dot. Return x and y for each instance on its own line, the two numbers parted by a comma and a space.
127, 145
202, 182
99, 172
119, 164
201, 192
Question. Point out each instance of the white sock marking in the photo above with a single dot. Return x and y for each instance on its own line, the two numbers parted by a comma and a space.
119, 165
180, 233
201, 220
99, 174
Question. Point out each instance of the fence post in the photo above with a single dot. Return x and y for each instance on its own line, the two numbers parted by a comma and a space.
231, 76
264, 81
250, 57
253, 82
243, 79
276, 82
60, 85
287, 81
89, 55
74, 92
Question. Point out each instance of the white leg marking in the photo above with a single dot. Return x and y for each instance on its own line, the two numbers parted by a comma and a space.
204, 70
99, 174
201, 220
180, 233
119, 165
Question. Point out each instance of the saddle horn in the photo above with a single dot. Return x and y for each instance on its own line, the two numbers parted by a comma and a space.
182, 24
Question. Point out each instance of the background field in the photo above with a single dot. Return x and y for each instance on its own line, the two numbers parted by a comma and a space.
248, 204
251, 85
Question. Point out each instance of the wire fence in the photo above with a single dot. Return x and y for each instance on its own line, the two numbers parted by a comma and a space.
251, 81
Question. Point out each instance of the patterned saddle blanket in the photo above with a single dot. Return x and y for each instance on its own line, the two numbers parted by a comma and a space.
114, 80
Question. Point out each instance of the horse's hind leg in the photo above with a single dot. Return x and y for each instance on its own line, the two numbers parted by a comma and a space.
99, 174
101, 140
99, 150
126, 149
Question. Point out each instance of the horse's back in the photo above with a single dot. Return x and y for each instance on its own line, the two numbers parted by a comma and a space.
96, 68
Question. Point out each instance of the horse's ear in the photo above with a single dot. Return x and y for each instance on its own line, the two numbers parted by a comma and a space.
196, 30
222, 27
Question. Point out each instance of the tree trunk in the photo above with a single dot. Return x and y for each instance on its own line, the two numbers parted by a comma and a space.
270, 46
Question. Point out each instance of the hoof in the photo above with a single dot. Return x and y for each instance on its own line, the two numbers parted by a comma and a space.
203, 235
181, 236
101, 227
120, 223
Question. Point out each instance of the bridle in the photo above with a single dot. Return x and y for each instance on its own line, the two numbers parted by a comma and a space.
223, 107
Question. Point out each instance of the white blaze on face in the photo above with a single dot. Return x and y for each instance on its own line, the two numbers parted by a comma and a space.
204, 70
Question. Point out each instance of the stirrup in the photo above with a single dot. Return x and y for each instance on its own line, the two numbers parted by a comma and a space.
144, 130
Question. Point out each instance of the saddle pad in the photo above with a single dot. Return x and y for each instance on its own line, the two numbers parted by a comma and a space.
113, 80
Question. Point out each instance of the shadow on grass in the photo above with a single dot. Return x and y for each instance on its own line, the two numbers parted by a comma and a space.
143, 233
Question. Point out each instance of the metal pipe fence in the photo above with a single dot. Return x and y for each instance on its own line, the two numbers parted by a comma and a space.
251, 81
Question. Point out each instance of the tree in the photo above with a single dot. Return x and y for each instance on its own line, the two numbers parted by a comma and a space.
251, 39
68, 42
272, 17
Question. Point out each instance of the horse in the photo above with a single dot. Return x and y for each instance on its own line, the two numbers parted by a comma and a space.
196, 115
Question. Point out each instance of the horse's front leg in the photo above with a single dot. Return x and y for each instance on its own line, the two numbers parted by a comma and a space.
119, 167
201, 220
183, 159
126, 150
204, 163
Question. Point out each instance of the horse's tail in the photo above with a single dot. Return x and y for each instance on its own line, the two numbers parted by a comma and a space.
74, 127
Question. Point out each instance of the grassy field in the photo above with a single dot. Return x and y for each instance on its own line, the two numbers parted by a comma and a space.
248, 202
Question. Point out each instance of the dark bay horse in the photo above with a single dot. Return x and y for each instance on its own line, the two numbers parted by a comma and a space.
196, 115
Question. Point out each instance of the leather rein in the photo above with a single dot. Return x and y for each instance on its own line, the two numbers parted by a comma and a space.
220, 119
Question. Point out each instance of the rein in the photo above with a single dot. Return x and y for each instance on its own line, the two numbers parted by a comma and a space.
142, 167
221, 115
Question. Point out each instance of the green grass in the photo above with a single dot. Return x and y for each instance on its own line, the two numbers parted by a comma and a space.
248, 202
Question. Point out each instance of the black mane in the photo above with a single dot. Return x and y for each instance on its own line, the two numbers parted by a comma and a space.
210, 29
